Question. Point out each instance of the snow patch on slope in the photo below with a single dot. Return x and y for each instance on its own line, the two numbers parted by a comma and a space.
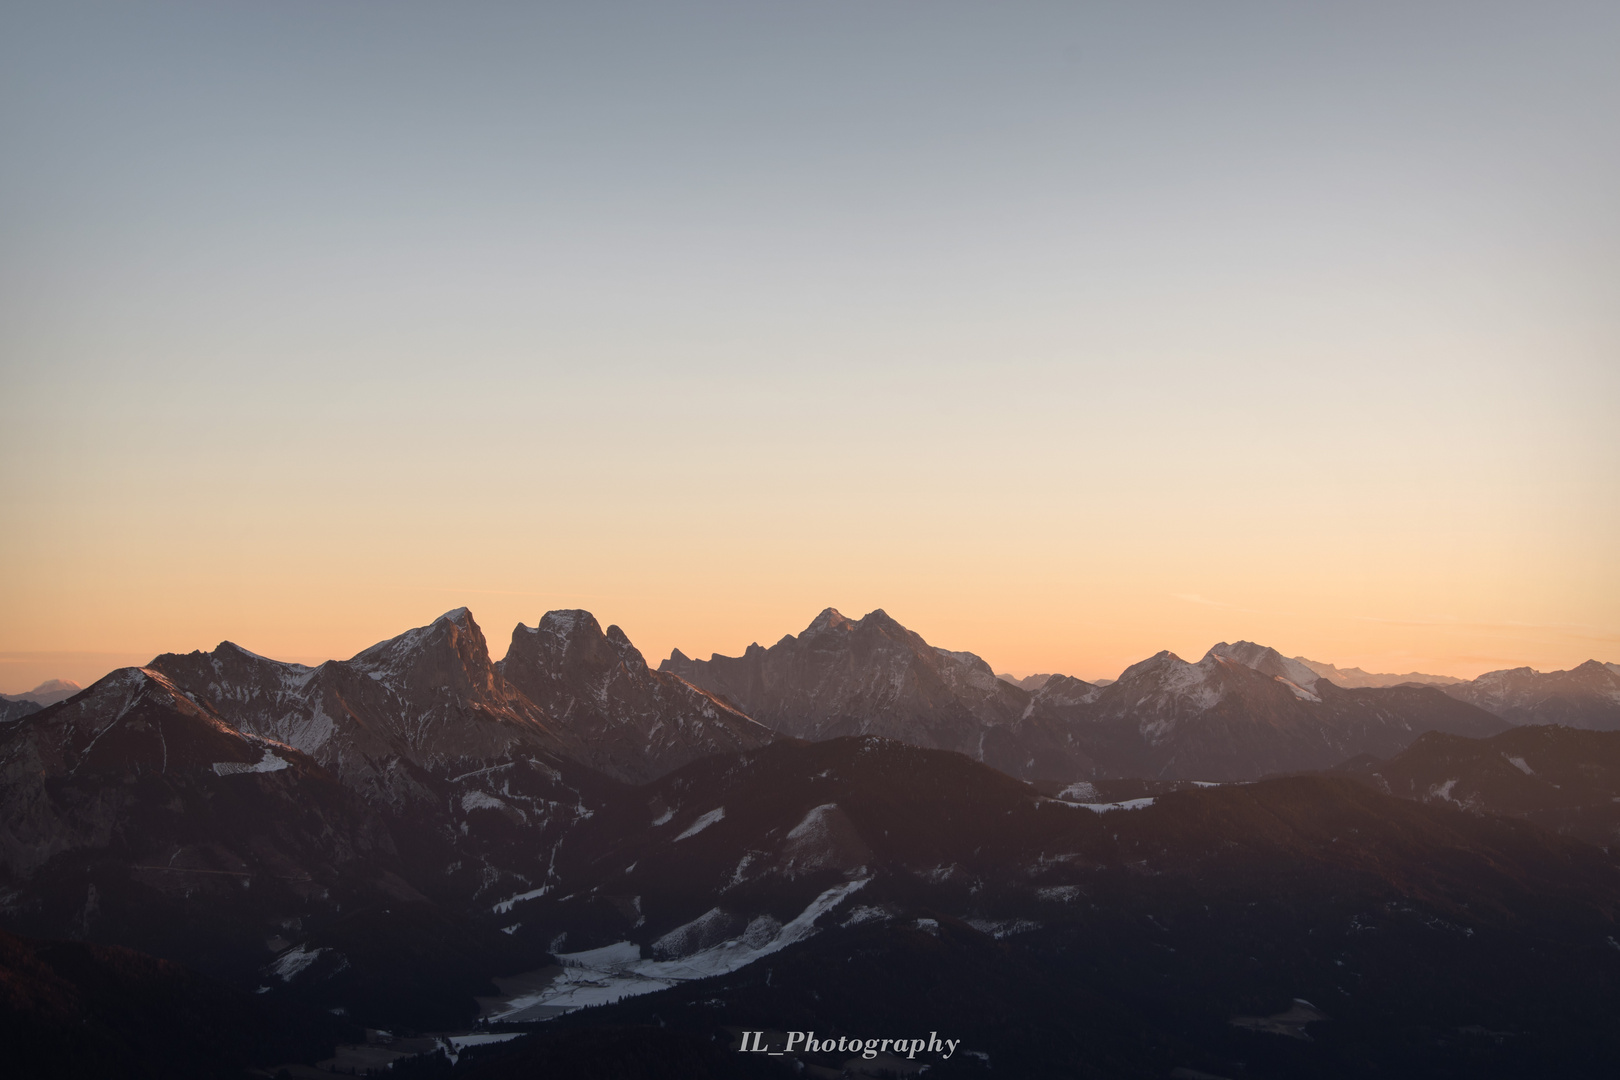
268, 763
290, 963
481, 800
717, 814
1299, 691
1105, 807
506, 905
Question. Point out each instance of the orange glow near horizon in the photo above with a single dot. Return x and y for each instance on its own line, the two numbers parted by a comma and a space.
1018, 627
1402, 543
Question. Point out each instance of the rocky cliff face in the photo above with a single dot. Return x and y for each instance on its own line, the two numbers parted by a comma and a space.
872, 676
617, 714
1587, 696
429, 699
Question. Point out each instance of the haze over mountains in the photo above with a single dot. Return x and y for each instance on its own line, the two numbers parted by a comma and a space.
46, 693
383, 835
1355, 677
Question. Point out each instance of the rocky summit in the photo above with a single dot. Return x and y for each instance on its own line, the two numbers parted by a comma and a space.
615, 713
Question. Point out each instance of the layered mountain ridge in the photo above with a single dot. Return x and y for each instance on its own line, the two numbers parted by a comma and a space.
1587, 696
1565, 779
379, 837
1242, 711
432, 698
1356, 678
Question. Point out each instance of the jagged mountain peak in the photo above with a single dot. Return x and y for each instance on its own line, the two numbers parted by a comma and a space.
232, 649
566, 622
619, 715
450, 626
1163, 660
1064, 691
833, 621
573, 638
1242, 650
1267, 661
871, 676
974, 662
621, 642
448, 652
829, 619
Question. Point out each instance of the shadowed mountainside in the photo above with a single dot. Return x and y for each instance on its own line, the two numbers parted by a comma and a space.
1564, 779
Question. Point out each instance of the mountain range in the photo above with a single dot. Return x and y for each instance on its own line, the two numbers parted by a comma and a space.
1243, 710
1355, 677
1587, 696
433, 699
420, 835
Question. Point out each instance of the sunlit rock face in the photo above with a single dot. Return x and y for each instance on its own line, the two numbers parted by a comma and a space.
429, 699
614, 712
843, 676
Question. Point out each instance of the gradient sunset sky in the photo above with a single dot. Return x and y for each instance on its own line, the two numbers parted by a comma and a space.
1064, 333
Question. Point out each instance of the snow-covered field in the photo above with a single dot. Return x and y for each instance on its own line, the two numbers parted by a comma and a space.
601, 976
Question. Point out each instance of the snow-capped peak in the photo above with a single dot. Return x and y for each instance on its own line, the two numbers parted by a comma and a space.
829, 619
1268, 661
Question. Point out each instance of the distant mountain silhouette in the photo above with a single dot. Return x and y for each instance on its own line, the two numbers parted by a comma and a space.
1356, 678
1587, 696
